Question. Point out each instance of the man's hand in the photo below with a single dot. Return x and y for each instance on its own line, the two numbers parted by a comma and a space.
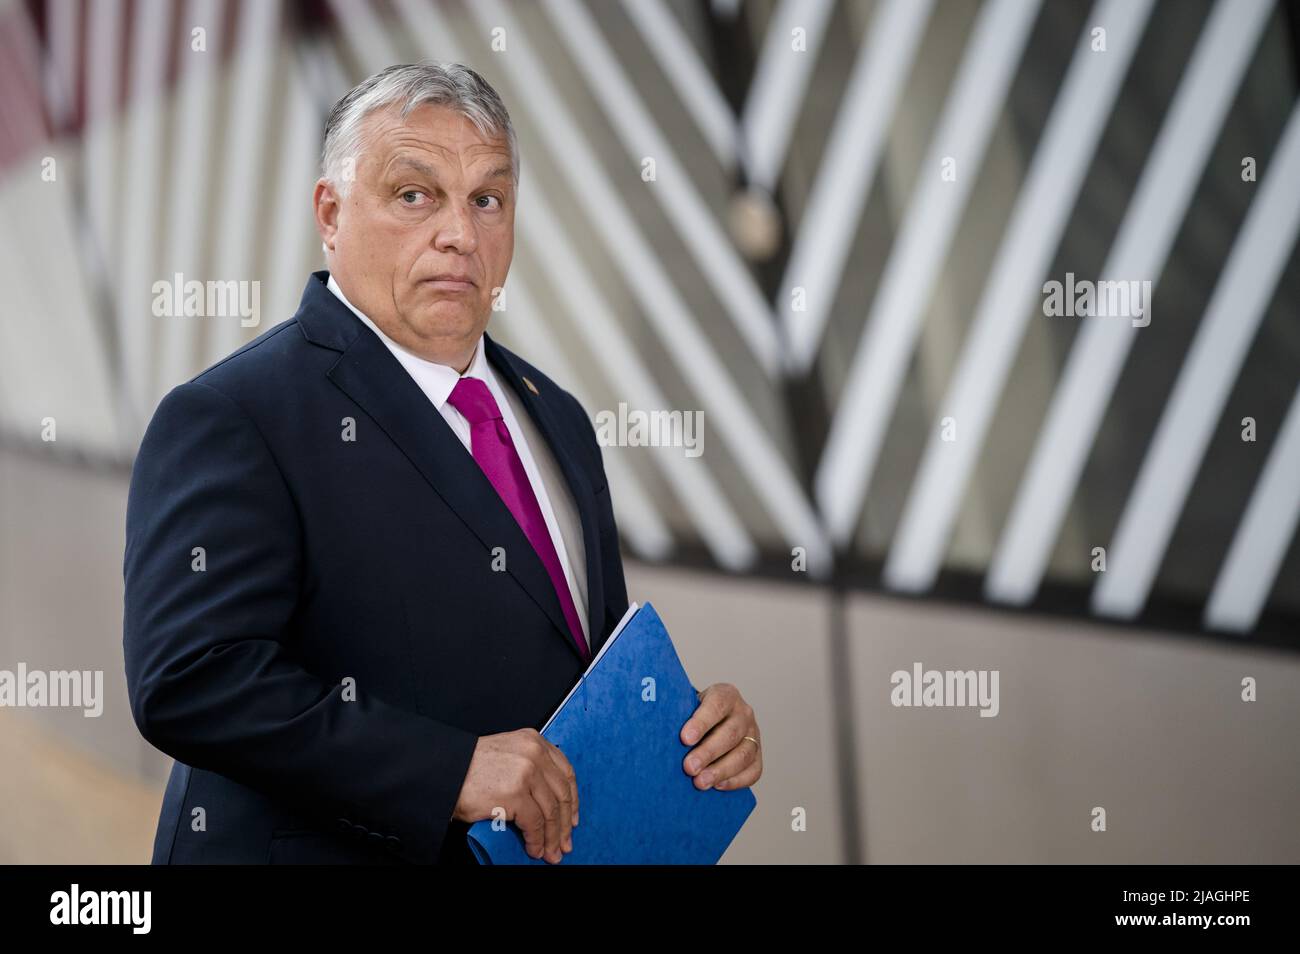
725, 759
531, 779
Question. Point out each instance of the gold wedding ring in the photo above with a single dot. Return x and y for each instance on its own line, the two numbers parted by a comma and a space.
754, 740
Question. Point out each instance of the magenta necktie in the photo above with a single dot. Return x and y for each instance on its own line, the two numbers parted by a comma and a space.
495, 454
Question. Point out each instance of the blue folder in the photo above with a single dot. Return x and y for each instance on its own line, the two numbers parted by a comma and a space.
622, 734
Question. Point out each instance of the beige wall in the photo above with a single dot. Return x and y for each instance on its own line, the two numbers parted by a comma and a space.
1148, 726
1152, 728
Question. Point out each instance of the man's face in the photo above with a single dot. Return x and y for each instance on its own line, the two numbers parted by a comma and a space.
426, 232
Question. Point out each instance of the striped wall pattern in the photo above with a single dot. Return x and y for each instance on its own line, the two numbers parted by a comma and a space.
840, 261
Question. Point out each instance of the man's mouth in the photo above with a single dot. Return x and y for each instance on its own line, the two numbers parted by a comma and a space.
450, 283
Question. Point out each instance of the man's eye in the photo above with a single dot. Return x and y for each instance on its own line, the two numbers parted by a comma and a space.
411, 196
488, 198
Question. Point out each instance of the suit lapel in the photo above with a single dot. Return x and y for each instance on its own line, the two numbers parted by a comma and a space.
542, 409
369, 374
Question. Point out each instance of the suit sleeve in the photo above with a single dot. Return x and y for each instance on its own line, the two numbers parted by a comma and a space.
211, 680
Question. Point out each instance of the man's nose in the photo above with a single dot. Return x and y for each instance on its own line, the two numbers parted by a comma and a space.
455, 231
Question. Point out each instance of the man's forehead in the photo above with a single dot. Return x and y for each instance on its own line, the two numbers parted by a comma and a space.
429, 134
419, 157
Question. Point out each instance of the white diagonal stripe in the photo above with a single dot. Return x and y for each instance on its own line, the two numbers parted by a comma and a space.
1154, 216
1232, 317
248, 111
99, 141
1260, 543
1037, 223
770, 474
839, 192
638, 518
61, 68
192, 161
363, 31
144, 121
780, 81
711, 513
673, 188
291, 224
691, 79
929, 224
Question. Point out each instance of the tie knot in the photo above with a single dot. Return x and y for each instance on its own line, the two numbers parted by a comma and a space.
472, 398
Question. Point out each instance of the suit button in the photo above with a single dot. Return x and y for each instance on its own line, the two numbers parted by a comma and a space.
342, 824
375, 839
360, 831
393, 843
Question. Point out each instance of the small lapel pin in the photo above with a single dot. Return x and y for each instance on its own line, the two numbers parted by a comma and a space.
532, 387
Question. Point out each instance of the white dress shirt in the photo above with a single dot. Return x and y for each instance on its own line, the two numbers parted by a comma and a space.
437, 382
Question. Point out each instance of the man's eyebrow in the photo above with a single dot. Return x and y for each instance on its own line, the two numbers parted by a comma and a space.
500, 172
421, 167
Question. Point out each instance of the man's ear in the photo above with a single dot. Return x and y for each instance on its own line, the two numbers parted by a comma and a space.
327, 205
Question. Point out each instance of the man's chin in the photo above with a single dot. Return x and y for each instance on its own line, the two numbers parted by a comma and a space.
447, 321
453, 312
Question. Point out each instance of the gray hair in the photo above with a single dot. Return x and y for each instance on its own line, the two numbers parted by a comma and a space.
409, 86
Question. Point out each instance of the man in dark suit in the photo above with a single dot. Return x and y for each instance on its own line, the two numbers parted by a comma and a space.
370, 552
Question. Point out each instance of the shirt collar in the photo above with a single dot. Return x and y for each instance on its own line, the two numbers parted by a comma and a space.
436, 380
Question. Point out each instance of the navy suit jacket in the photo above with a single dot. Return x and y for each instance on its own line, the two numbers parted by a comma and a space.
313, 626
